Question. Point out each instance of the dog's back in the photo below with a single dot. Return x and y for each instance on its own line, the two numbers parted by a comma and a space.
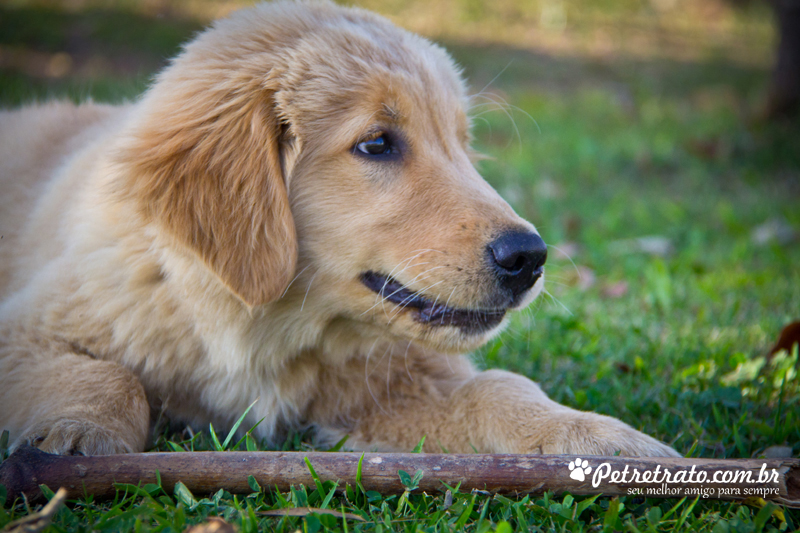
34, 142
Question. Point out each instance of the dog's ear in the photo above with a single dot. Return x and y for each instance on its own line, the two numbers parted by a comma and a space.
205, 165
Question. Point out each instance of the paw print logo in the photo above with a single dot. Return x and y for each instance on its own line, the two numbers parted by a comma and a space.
579, 469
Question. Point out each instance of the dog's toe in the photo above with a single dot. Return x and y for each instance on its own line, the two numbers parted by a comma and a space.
77, 437
614, 436
593, 434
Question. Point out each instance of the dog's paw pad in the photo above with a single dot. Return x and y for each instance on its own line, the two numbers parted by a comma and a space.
579, 469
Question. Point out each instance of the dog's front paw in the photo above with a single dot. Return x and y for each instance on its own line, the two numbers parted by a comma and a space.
593, 434
68, 436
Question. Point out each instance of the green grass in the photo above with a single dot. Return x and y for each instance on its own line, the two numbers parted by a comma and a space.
597, 153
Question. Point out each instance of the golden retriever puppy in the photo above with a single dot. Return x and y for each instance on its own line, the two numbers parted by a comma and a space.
288, 216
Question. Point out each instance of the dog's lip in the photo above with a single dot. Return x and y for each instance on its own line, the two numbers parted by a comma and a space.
429, 312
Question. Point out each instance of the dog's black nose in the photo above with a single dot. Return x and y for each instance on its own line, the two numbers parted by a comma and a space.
517, 257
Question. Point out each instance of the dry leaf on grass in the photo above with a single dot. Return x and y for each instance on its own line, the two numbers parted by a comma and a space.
790, 335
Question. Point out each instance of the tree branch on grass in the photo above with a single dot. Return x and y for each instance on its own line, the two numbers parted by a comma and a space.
776, 480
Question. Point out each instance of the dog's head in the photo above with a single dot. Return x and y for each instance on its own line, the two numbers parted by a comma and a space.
320, 144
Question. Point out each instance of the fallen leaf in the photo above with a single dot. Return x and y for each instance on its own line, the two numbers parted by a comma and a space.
305, 511
622, 367
790, 335
36, 522
448, 500
214, 525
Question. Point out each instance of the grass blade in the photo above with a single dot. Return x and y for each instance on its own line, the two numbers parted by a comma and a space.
217, 446
238, 423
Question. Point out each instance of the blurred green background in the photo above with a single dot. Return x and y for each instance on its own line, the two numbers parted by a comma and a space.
677, 46
631, 133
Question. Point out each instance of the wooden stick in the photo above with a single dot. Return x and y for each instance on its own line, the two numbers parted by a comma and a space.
207, 472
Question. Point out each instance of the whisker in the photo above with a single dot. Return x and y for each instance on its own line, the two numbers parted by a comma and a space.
405, 357
366, 378
386, 297
401, 287
504, 103
308, 289
424, 273
568, 257
416, 278
379, 297
447, 305
545, 291
488, 124
380, 360
504, 109
402, 305
407, 261
388, 378
495, 78
391, 273
293, 280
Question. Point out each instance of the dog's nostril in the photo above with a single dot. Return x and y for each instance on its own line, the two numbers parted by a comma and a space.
517, 257
519, 263
508, 259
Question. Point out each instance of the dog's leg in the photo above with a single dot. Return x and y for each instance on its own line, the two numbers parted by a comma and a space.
507, 412
72, 404
488, 412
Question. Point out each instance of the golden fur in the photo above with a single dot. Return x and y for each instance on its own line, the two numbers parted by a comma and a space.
201, 249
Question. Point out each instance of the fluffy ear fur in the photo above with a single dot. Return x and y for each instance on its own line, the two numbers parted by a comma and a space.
206, 165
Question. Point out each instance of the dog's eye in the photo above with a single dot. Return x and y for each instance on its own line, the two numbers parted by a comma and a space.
378, 146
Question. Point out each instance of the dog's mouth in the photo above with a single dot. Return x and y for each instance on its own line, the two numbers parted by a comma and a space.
432, 313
